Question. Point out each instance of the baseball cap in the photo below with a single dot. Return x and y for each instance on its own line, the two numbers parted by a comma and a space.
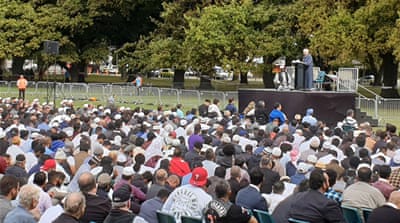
122, 194
199, 177
128, 171
49, 164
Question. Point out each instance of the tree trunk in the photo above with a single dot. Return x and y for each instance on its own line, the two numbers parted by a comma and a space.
17, 64
179, 79
235, 77
243, 78
2, 67
389, 71
205, 81
374, 70
268, 78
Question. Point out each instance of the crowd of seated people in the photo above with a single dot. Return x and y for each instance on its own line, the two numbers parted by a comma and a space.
121, 164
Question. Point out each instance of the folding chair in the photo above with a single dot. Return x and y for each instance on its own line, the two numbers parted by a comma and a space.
263, 216
165, 218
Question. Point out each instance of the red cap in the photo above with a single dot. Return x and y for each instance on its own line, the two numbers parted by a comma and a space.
173, 134
49, 164
199, 177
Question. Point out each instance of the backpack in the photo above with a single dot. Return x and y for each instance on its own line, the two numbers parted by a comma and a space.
216, 210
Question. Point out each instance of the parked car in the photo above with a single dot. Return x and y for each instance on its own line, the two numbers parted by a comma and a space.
367, 79
191, 72
166, 72
56, 69
220, 74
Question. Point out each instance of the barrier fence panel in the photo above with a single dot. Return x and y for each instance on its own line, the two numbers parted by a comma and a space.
189, 99
232, 94
130, 94
169, 95
347, 80
388, 109
149, 95
213, 94
4, 88
97, 91
79, 91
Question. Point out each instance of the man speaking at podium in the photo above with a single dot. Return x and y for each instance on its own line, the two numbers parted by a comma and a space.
308, 69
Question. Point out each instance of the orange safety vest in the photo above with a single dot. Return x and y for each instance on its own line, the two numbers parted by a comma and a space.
22, 83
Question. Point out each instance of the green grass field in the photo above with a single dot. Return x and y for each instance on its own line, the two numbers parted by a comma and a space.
151, 98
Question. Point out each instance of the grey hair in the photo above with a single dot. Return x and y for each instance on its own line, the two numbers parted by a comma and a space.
27, 194
120, 204
74, 202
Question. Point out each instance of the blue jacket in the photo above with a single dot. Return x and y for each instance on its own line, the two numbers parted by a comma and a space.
277, 114
250, 198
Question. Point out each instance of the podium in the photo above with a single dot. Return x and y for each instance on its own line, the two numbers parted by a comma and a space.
299, 79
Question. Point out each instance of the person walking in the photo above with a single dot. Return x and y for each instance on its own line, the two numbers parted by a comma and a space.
22, 83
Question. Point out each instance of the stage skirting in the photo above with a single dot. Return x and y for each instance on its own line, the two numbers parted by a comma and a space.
328, 106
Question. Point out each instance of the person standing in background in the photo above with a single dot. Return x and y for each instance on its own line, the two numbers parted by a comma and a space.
308, 69
22, 83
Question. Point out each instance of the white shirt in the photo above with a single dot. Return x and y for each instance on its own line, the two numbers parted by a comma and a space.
273, 200
51, 214
210, 166
13, 151
186, 200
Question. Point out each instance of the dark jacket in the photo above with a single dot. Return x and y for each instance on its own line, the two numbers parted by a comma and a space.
385, 214
313, 206
250, 198
65, 218
97, 209
119, 216
270, 177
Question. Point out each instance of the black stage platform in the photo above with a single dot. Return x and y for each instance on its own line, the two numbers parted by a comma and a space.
328, 106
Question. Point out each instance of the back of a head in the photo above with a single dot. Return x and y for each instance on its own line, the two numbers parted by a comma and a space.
220, 172
385, 171
332, 175
360, 140
163, 193
256, 176
350, 112
84, 144
87, 182
278, 187
75, 203
265, 162
27, 194
277, 105
222, 189
161, 176
7, 183
177, 152
364, 174
235, 172
209, 154
317, 179
40, 178
303, 186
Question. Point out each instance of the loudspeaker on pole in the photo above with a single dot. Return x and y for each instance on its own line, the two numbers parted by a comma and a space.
51, 47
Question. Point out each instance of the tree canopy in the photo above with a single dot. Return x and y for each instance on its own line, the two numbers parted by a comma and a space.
150, 34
